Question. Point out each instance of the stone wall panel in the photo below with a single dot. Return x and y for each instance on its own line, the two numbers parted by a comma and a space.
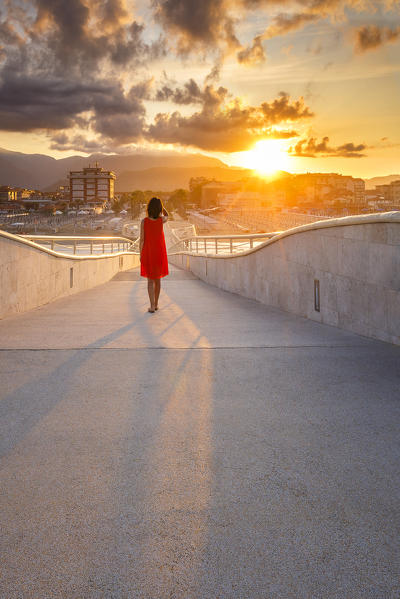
30, 277
357, 265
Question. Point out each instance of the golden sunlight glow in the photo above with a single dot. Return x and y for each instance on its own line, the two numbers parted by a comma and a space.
266, 157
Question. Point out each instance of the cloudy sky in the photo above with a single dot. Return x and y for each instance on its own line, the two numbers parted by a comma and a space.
320, 77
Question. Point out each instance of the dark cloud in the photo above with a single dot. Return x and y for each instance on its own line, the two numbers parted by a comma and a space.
195, 23
224, 124
191, 93
142, 90
121, 128
28, 103
282, 109
130, 47
310, 148
371, 37
87, 32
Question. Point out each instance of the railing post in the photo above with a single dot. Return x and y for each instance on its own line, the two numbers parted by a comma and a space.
197, 245
231, 245
216, 245
91, 247
190, 245
251, 243
205, 245
52, 244
104, 249
74, 246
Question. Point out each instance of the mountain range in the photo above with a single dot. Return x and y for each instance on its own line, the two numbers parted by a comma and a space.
158, 171
385, 180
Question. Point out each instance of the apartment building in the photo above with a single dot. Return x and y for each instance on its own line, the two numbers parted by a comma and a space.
390, 193
326, 183
92, 186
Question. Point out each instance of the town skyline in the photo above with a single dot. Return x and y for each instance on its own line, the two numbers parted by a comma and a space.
296, 86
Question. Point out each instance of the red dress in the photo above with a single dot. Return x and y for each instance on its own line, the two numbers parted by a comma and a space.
154, 261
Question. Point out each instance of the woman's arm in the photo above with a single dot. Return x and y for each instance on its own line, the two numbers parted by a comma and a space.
164, 215
141, 241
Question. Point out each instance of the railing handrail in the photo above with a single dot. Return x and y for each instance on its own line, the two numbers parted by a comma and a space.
24, 240
243, 236
76, 238
240, 237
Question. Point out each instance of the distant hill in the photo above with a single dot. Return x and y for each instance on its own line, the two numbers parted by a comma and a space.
168, 179
10, 174
371, 183
39, 171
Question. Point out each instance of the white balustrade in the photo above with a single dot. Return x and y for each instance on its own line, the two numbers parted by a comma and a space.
84, 245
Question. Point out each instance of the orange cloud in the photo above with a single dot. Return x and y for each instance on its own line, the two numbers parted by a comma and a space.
310, 148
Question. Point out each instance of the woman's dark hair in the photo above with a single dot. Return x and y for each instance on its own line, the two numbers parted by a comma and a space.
154, 208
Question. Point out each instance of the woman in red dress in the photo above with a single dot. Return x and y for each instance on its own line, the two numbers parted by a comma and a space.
153, 253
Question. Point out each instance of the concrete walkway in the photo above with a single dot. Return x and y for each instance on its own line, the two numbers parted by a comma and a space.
217, 449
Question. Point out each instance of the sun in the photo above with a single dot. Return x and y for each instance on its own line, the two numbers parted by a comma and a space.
266, 157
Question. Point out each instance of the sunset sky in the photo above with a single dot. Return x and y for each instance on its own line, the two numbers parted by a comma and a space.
319, 77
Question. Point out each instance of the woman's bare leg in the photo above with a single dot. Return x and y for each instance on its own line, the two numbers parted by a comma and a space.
150, 289
157, 288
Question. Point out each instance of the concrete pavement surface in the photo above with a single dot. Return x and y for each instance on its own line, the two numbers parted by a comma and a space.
216, 449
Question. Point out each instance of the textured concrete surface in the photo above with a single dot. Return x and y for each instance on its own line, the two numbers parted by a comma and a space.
215, 449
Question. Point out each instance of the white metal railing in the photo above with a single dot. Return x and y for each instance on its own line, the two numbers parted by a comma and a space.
135, 245
220, 244
182, 231
83, 245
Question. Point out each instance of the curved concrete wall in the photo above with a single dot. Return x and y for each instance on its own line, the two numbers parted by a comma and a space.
31, 276
356, 261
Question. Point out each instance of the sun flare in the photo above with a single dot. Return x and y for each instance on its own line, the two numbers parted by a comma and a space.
266, 157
